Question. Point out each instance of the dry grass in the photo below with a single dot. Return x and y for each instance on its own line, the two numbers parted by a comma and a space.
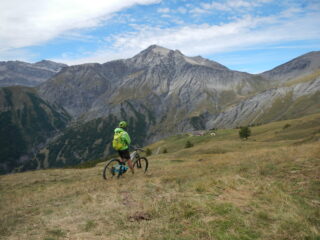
252, 190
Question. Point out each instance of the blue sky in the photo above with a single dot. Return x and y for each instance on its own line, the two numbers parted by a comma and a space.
244, 35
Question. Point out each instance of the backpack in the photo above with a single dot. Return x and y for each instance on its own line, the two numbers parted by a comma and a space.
117, 142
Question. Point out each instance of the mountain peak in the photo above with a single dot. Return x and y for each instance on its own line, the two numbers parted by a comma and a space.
155, 54
156, 49
44, 61
50, 65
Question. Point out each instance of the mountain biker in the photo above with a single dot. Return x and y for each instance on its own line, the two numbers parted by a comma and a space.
123, 148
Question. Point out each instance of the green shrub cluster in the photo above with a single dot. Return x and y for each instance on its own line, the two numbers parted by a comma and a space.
286, 126
148, 152
188, 144
244, 132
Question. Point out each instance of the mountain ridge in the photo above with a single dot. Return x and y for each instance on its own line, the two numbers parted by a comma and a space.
162, 92
307, 63
161, 75
27, 74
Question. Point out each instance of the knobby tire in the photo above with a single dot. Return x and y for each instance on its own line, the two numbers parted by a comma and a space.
141, 164
108, 171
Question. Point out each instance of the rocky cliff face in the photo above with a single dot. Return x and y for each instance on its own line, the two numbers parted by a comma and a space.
27, 74
272, 105
295, 92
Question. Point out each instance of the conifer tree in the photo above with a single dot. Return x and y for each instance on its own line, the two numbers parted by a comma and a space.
244, 132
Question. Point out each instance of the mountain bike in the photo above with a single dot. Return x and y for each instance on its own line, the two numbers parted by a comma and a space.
116, 168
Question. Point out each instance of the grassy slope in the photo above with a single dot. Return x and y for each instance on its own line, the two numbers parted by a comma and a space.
222, 188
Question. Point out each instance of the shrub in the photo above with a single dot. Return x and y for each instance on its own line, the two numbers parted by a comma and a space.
148, 152
165, 151
286, 126
188, 144
244, 132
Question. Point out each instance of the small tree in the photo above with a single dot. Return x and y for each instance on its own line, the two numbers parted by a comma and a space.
188, 144
165, 151
148, 152
286, 126
244, 132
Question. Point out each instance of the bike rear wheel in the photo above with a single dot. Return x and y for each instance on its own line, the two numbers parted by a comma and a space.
141, 165
110, 170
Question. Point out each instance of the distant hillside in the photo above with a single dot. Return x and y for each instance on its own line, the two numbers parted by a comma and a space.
297, 97
296, 68
26, 123
14, 73
81, 142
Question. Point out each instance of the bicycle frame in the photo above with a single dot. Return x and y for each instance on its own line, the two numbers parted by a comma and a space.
134, 155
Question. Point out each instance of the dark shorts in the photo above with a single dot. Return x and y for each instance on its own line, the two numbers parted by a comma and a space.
124, 154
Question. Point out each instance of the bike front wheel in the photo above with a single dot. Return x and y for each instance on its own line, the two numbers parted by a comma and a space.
141, 165
111, 169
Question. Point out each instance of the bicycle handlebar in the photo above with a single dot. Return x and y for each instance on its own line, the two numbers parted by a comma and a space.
138, 149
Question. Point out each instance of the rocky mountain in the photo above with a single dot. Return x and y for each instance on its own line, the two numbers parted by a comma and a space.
170, 89
162, 92
295, 92
275, 104
27, 74
26, 124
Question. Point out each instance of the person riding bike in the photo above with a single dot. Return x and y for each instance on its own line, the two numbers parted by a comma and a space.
121, 142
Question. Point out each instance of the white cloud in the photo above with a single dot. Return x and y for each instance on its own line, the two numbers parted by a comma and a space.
236, 5
18, 54
163, 10
182, 10
199, 11
208, 39
31, 22
166, 16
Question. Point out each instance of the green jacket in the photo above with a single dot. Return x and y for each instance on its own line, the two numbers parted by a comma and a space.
125, 138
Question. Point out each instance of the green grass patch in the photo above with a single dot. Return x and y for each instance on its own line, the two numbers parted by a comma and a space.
56, 233
177, 161
89, 225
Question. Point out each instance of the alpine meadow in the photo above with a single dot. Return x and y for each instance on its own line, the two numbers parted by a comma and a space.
266, 187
